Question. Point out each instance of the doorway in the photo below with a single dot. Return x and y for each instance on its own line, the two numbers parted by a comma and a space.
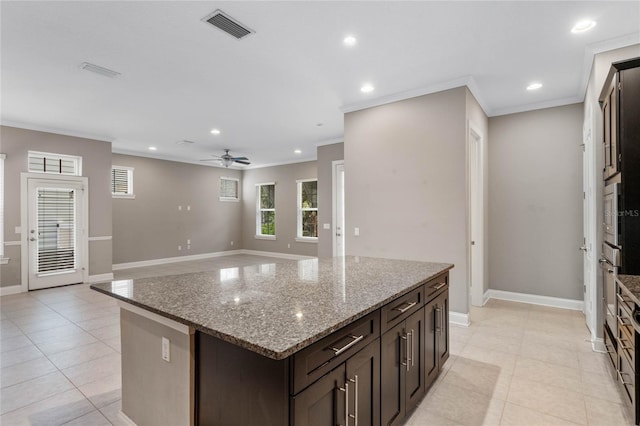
338, 208
54, 223
476, 216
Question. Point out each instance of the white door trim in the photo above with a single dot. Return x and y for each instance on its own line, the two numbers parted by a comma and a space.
334, 204
476, 233
24, 222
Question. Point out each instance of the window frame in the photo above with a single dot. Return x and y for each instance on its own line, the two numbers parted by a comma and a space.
259, 235
77, 160
130, 194
235, 199
299, 237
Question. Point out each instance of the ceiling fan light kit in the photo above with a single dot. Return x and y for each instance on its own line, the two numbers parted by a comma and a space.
227, 160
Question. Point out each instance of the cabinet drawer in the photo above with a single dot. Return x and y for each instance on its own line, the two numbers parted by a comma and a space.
321, 357
627, 378
396, 311
436, 286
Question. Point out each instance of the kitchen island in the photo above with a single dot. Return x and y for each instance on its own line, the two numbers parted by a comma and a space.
291, 342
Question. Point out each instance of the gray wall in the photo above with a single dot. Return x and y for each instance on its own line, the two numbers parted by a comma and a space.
285, 177
96, 165
327, 154
535, 203
405, 184
151, 226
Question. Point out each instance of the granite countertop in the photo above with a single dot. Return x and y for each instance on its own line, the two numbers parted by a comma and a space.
276, 309
632, 284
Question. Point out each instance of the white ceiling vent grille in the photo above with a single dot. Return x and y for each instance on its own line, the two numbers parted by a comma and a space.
99, 70
224, 22
185, 142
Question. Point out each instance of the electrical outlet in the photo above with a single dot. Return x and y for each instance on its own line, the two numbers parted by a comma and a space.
188, 242
231, 242
179, 208
356, 232
179, 248
288, 245
166, 349
188, 208
18, 230
327, 226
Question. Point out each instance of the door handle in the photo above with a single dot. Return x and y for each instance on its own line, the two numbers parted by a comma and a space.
583, 248
33, 239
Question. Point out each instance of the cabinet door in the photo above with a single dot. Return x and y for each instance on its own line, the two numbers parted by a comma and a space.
431, 337
443, 329
363, 376
322, 403
606, 115
392, 375
415, 381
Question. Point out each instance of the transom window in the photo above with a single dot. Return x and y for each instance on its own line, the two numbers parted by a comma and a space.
266, 211
229, 189
307, 210
122, 182
60, 164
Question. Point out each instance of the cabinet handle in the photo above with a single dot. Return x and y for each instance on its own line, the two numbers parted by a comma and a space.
621, 321
412, 356
406, 308
439, 286
620, 373
438, 328
442, 313
409, 353
347, 346
355, 415
345, 389
405, 363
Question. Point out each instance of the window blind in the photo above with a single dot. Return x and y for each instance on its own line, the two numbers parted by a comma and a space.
56, 230
228, 189
120, 181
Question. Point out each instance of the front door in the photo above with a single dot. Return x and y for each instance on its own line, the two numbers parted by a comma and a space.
56, 232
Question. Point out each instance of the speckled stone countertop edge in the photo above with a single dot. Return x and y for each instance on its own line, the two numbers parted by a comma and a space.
262, 350
631, 284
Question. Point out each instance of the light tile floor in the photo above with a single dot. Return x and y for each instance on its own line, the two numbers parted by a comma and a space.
517, 364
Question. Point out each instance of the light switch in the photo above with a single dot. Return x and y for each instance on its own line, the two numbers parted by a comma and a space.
188, 208
356, 232
18, 230
327, 226
179, 208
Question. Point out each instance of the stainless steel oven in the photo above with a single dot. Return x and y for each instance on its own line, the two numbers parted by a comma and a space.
610, 223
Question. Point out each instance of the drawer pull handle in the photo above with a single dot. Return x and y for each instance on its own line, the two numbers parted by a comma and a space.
621, 321
347, 346
439, 286
620, 373
406, 308
438, 327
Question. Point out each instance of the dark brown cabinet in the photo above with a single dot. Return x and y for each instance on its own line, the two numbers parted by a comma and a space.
436, 336
323, 403
402, 368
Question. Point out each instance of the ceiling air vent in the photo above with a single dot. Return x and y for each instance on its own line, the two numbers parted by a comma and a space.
224, 22
185, 142
99, 70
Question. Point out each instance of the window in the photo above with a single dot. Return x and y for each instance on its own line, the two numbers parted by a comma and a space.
266, 211
307, 210
47, 162
229, 189
2, 258
122, 182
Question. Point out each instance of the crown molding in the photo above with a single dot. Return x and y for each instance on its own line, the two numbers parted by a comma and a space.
284, 163
330, 141
169, 158
57, 131
540, 105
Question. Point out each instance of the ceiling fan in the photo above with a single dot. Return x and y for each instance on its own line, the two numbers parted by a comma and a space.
227, 160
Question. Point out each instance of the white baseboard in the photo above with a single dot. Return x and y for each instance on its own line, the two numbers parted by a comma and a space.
485, 297
126, 419
458, 318
555, 302
100, 277
597, 345
154, 262
277, 254
14, 289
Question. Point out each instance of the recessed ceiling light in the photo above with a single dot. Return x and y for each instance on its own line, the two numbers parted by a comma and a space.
583, 26
297, 151
367, 88
350, 41
534, 86
152, 148
215, 131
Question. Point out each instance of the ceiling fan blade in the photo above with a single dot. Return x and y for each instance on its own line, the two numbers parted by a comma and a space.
240, 158
211, 159
242, 162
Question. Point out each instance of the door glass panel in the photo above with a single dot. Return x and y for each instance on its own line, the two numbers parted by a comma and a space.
56, 230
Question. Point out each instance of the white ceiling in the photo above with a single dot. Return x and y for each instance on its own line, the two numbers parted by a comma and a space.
181, 77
